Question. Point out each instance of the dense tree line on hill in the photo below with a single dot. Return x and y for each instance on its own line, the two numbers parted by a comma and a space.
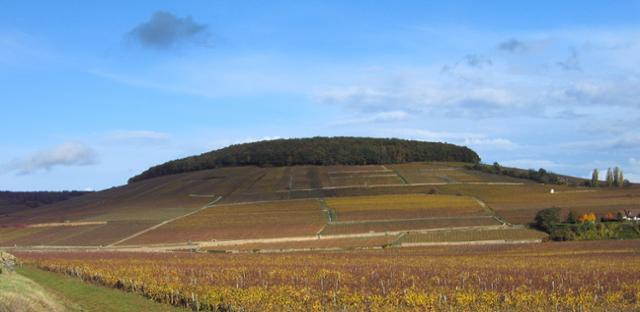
36, 199
541, 175
316, 151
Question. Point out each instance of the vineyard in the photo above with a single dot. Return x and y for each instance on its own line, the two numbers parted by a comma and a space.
263, 203
242, 221
314, 244
582, 276
519, 203
473, 236
85, 235
402, 207
406, 225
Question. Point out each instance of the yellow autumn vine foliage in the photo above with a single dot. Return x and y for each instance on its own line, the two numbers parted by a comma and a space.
577, 276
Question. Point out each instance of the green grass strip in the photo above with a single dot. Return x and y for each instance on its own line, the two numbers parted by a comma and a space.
92, 297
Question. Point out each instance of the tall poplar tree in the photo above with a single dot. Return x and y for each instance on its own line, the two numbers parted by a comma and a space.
595, 178
620, 178
610, 177
616, 176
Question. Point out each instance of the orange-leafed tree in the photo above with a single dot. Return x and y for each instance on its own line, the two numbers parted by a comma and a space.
587, 217
609, 216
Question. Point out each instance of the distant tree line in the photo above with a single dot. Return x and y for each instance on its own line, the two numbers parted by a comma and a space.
541, 175
316, 151
36, 199
614, 178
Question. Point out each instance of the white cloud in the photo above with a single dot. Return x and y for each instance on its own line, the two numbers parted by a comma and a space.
497, 143
476, 140
531, 163
624, 141
67, 154
599, 72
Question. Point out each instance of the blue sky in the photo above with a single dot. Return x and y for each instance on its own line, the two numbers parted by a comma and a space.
93, 93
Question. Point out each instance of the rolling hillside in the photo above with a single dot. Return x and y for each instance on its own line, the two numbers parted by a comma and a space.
280, 206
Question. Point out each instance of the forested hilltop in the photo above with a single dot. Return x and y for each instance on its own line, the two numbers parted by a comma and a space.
316, 151
16, 201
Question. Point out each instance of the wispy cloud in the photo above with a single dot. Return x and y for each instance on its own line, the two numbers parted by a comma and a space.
67, 154
138, 136
425, 93
513, 45
625, 141
477, 140
22, 49
543, 83
390, 116
571, 62
164, 31
531, 163
478, 61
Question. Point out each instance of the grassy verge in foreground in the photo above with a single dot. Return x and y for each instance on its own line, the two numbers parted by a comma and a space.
90, 297
18, 293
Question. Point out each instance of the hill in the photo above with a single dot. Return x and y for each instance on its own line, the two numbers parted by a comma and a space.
321, 151
16, 201
289, 207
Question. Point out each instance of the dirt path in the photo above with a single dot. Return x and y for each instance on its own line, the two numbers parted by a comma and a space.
490, 210
480, 242
58, 224
208, 205
410, 219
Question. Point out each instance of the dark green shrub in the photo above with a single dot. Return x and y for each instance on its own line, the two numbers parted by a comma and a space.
547, 219
562, 234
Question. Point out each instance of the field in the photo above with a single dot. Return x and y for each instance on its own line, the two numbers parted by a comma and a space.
333, 216
242, 221
405, 206
581, 276
153, 200
315, 244
520, 203
473, 235
350, 228
342, 200
442, 173
362, 176
416, 237
86, 235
